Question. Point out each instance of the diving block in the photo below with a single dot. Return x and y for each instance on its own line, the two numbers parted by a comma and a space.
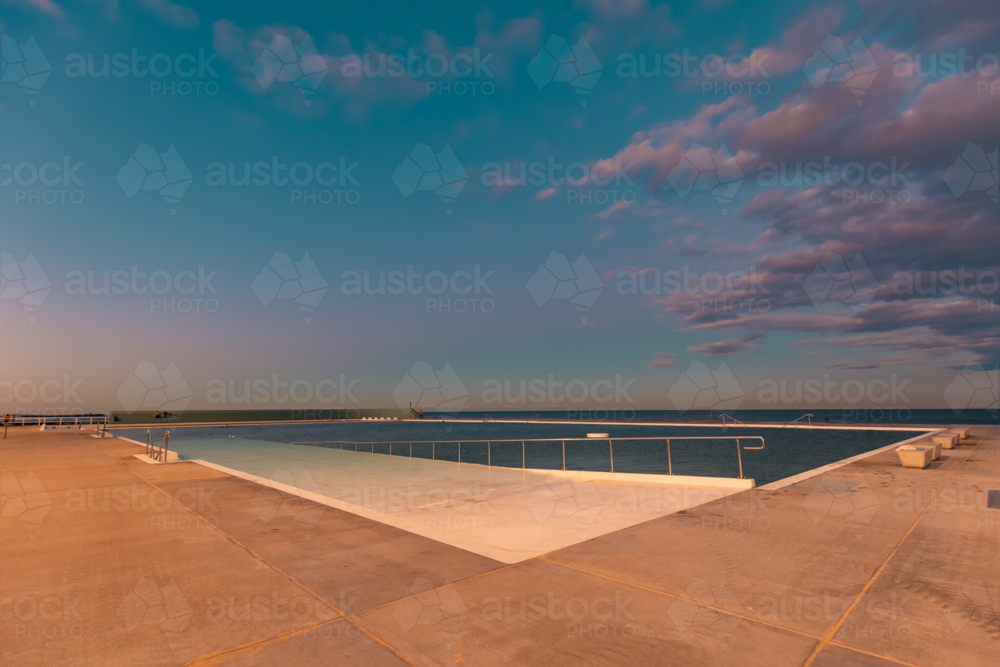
962, 433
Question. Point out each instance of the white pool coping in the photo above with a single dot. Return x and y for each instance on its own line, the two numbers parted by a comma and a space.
781, 483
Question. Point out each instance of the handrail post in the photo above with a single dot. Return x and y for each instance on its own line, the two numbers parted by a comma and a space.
411, 450
670, 461
564, 454
739, 455
166, 445
611, 450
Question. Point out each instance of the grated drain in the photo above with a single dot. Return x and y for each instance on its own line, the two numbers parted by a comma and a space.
993, 499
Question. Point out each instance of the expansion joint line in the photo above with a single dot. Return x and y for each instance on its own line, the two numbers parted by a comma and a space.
718, 610
274, 567
828, 637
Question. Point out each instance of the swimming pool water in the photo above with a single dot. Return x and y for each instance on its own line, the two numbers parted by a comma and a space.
788, 451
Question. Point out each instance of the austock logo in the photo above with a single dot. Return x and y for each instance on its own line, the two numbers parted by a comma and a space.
561, 498
149, 388
560, 279
300, 282
24, 499
977, 603
440, 608
425, 170
700, 388
841, 496
975, 170
24, 282
851, 64
558, 62
702, 169
150, 604
24, 64
833, 279
974, 388
280, 499
284, 61
149, 170
708, 611
424, 388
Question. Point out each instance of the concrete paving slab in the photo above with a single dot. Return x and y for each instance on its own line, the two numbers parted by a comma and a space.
504, 514
835, 656
539, 613
95, 584
775, 551
760, 577
351, 561
336, 643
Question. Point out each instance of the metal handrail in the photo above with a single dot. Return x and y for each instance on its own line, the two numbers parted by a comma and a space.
809, 415
55, 420
724, 415
164, 448
157, 453
523, 441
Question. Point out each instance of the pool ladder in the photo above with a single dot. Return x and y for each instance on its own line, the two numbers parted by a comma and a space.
157, 453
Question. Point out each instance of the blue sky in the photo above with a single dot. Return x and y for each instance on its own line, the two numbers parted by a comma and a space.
814, 276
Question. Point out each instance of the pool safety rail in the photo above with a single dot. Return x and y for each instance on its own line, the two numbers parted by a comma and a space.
797, 419
55, 420
157, 453
360, 446
100, 422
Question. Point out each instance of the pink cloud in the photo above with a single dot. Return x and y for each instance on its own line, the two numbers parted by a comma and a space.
44, 6
172, 14
727, 346
664, 360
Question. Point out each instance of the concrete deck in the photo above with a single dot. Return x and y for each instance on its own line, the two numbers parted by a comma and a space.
107, 559
506, 514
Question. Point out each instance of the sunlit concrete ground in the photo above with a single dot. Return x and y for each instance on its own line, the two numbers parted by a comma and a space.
109, 560
506, 514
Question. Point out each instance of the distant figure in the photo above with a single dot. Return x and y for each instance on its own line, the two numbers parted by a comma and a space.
421, 413
157, 415
827, 420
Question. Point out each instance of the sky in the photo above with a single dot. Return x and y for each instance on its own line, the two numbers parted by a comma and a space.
594, 205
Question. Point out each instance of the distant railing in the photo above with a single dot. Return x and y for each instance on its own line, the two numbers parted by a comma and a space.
734, 419
55, 420
358, 446
795, 421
